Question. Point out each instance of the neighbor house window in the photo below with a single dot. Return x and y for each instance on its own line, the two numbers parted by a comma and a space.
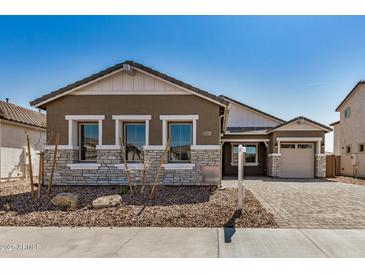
347, 112
180, 135
135, 139
348, 149
361, 148
88, 139
250, 155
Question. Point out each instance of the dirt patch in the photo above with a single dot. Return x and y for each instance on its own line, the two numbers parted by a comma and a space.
351, 180
173, 207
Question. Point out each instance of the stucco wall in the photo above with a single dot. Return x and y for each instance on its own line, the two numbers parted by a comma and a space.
13, 149
337, 139
154, 105
352, 132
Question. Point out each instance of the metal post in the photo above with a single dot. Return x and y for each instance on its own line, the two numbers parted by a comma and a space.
241, 151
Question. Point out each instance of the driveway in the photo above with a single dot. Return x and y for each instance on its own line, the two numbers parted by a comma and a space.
309, 203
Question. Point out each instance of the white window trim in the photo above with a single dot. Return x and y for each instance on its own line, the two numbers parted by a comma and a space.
61, 147
176, 166
206, 147
256, 163
131, 118
178, 118
73, 129
84, 166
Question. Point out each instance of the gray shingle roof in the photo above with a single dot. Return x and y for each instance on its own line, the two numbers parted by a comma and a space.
22, 115
119, 66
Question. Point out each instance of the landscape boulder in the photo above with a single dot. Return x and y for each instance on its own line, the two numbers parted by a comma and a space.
68, 200
107, 201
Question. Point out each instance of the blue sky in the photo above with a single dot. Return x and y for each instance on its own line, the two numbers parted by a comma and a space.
286, 66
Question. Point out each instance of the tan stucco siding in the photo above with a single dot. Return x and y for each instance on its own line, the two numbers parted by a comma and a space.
352, 132
337, 139
154, 105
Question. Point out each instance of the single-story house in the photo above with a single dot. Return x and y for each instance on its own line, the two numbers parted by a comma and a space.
15, 123
349, 132
149, 109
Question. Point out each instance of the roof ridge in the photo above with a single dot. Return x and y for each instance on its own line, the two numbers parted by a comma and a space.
115, 67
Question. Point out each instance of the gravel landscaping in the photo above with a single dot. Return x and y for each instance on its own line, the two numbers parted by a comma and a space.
351, 180
173, 207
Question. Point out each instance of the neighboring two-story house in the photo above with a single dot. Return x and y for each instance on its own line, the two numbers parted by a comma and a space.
349, 132
144, 110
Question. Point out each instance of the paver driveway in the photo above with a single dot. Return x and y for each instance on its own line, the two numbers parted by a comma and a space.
310, 203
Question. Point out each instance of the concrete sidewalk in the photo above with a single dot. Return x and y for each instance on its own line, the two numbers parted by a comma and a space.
180, 242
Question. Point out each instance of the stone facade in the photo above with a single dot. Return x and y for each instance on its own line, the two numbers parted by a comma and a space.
110, 168
274, 165
320, 166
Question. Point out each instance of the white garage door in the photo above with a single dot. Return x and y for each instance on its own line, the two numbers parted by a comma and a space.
297, 160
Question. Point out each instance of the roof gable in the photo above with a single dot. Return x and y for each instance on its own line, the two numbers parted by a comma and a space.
300, 124
349, 95
130, 67
243, 116
124, 83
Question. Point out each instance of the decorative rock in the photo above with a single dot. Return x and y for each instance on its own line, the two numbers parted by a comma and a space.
68, 200
107, 201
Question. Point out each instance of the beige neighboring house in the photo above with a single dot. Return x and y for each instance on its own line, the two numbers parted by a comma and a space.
146, 108
349, 132
15, 123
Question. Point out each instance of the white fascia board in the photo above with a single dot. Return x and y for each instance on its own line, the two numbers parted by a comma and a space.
305, 121
85, 117
206, 147
132, 117
76, 88
176, 166
299, 139
84, 166
179, 117
245, 140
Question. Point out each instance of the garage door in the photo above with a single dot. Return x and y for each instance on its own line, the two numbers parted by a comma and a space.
297, 160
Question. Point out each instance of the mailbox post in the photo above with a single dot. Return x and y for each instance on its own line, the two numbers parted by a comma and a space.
241, 154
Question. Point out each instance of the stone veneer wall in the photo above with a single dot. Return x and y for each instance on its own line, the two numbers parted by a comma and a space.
320, 166
109, 174
274, 165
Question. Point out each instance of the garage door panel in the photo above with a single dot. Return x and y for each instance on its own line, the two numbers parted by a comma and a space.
297, 161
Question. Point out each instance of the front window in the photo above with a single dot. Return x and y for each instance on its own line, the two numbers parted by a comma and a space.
135, 139
348, 149
347, 112
250, 155
88, 139
180, 135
